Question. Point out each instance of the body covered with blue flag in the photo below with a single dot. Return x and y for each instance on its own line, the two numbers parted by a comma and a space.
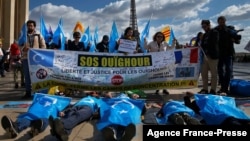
172, 107
215, 109
89, 101
120, 111
44, 105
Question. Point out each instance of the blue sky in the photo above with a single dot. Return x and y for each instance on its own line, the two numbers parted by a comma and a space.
184, 16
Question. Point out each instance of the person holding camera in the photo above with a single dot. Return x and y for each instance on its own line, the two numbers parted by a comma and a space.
226, 54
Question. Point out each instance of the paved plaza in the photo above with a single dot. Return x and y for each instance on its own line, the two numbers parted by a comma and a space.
85, 131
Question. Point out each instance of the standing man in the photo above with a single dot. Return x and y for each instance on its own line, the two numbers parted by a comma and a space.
103, 46
209, 44
226, 47
34, 40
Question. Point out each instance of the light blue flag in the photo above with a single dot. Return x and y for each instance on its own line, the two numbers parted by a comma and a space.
114, 36
43, 30
172, 37
120, 111
144, 34
172, 107
61, 22
59, 37
90, 101
215, 109
44, 105
86, 37
93, 46
23, 35
96, 36
41, 57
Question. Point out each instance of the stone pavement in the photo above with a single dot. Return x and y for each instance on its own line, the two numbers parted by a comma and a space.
85, 131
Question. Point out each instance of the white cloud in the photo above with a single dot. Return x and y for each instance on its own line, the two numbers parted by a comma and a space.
234, 12
181, 15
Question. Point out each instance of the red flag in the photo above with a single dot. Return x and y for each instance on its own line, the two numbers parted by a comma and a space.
194, 55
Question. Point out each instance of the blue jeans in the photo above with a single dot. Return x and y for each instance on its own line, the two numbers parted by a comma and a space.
225, 74
23, 123
26, 75
74, 116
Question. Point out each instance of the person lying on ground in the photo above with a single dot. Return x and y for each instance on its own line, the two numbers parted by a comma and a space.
36, 117
119, 116
175, 112
81, 111
216, 110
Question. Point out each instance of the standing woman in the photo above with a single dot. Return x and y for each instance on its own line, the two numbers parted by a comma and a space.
158, 44
128, 35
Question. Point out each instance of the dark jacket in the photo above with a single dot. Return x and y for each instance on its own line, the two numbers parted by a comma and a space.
102, 47
209, 44
226, 45
79, 47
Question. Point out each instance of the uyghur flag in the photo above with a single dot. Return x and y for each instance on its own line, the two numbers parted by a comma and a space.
86, 37
78, 27
215, 109
43, 29
144, 34
172, 107
114, 36
120, 111
22, 36
44, 105
59, 37
172, 37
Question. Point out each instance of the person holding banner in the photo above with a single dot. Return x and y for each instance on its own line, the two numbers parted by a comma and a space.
158, 44
36, 117
76, 44
127, 43
34, 40
103, 46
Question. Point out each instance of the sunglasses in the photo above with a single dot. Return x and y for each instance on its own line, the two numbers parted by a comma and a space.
77, 37
159, 36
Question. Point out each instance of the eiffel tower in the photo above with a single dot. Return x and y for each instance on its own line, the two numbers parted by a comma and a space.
133, 20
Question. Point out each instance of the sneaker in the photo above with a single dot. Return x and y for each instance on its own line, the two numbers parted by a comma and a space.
3, 75
203, 91
165, 92
59, 128
36, 127
108, 134
129, 133
9, 127
157, 92
190, 120
176, 119
16, 85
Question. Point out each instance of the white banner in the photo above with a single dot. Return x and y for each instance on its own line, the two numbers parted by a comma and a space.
127, 46
114, 72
